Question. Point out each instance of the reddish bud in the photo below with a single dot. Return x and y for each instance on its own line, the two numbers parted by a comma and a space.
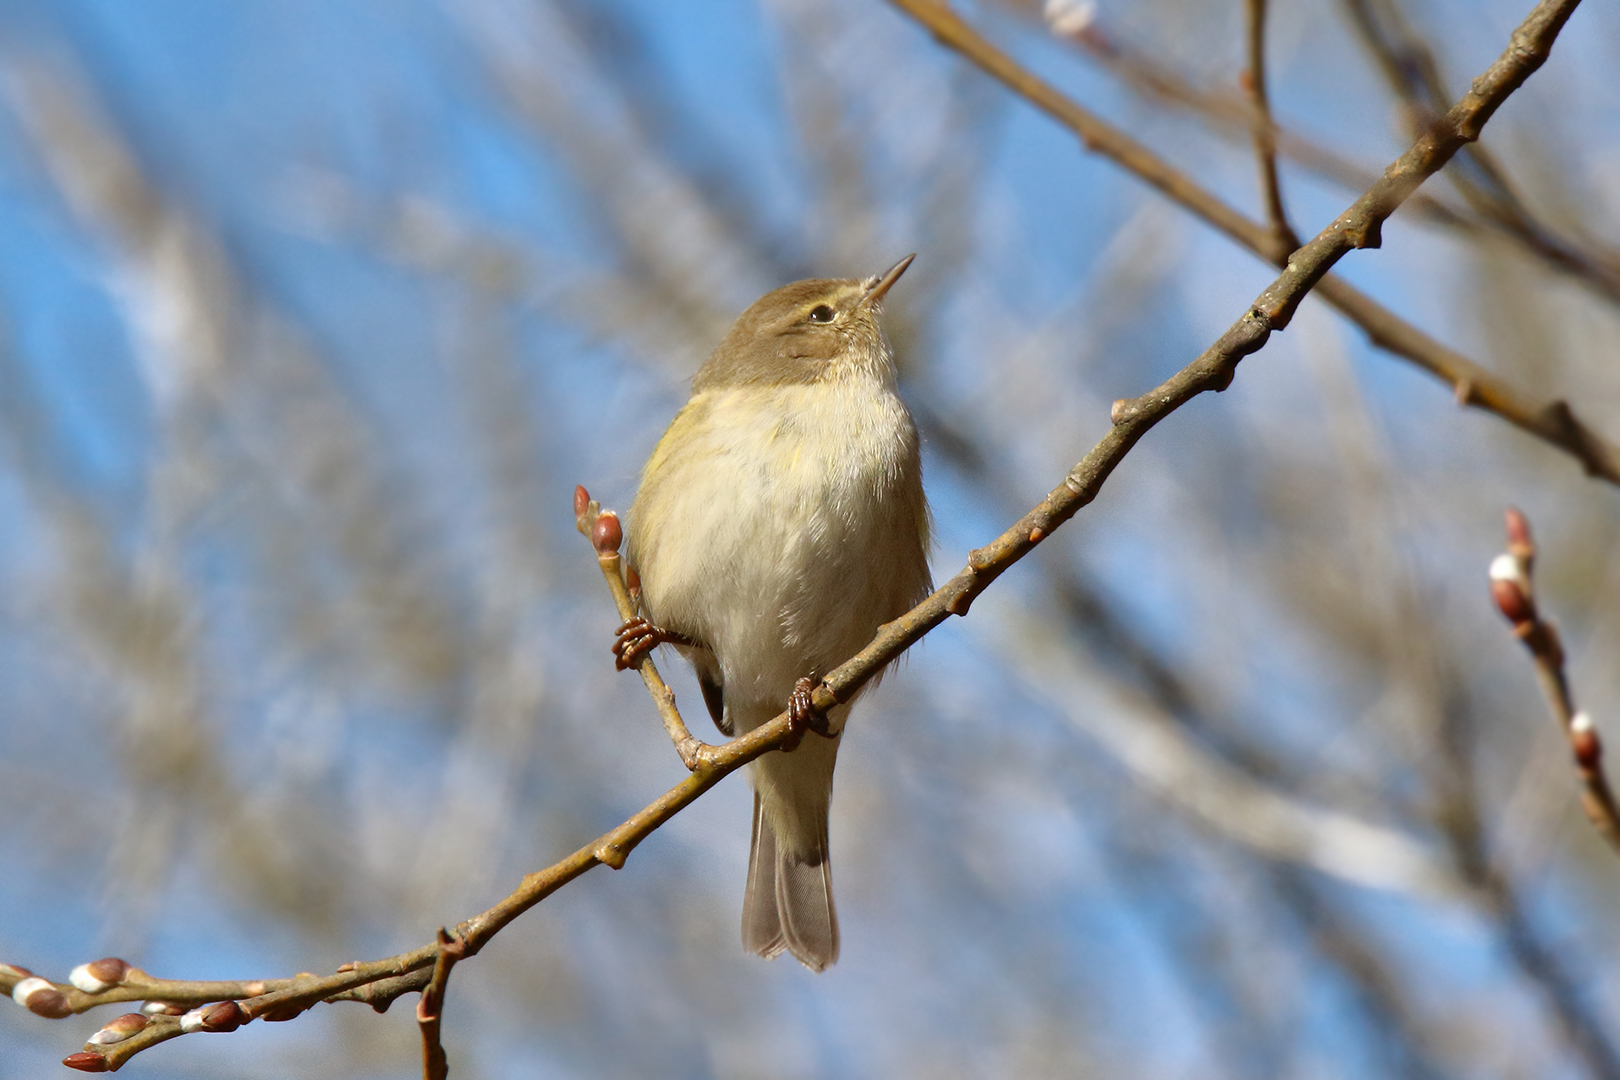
118, 1029
607, 534
582, 499
224, 1016
86, 1061
99, 975
41, 998
1585, 741
14, 972
162, 1008
1512, 602
110, 968
51, 1004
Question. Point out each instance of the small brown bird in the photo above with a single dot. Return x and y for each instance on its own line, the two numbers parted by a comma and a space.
781, 520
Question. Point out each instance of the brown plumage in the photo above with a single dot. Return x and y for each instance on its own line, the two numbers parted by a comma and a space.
780, 521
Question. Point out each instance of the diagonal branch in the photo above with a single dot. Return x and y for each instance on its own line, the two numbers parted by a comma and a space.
1588, 262
1514, 592
1553, 422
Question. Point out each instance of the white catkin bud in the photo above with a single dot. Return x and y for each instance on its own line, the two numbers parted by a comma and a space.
81, 977
1069, 16
30, 985
118, 1030
1506, 568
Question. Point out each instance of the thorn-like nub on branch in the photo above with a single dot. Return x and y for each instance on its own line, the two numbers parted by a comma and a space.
607, 534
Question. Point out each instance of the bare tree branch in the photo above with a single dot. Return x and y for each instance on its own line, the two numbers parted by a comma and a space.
1512, 586
1553, 422
1265, 137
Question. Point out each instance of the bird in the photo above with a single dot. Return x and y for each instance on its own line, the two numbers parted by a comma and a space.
779, 522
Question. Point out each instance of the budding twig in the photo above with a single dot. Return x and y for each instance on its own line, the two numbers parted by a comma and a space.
430, 1007
1512, 587
603, 530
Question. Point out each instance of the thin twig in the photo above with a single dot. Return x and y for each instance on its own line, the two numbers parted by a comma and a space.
605, 535
1553, 422
1230, 116
1409, 66
430, 1009
1265, 132
1512, 586
1593, 266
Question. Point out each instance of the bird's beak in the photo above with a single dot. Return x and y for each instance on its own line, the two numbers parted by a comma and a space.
881, 285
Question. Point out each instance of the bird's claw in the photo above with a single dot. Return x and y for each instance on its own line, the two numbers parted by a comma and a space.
638, 637
802, 715
633, 640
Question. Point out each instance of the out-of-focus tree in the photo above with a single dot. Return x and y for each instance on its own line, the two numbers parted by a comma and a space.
314, 315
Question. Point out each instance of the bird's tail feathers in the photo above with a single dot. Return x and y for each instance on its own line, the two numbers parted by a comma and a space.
789, 904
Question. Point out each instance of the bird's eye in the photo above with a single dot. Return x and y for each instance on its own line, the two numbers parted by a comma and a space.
821, 313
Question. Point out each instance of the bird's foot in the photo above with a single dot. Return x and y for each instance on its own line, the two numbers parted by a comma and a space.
638, 637
802, 715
